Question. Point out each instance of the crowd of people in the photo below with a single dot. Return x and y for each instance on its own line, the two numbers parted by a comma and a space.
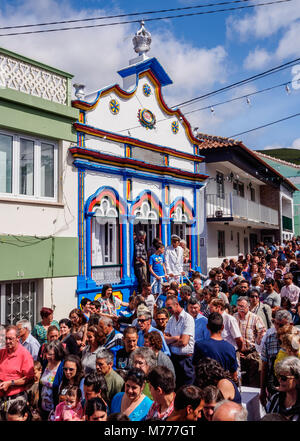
180, 349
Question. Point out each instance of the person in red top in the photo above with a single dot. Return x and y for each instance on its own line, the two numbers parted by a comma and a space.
16, 369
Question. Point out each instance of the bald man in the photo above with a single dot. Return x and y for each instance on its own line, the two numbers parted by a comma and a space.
227, 410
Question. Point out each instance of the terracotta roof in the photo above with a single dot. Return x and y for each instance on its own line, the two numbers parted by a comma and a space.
211, 141
214, 142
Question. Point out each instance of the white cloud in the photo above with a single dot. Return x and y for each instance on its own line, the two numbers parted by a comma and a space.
265, 21
257, 59
192, 69
289, 45
95, 55
92, 55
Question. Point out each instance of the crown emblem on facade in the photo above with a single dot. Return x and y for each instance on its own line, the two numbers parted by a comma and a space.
142, 40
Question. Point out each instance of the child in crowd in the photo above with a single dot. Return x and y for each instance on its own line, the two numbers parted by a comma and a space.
70, 409
148, 297
157, 269
18, 411
96, 410
33, 392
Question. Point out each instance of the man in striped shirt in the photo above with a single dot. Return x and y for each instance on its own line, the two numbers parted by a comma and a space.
252, 330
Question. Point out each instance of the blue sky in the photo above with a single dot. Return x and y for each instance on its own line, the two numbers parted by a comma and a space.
201, 54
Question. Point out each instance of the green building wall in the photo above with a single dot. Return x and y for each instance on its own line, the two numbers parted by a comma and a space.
293, 174
27, 257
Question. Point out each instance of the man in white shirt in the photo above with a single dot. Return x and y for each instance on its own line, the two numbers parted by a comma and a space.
174, 259
231, 331
26, 339
271, 268
290, 290
180, 336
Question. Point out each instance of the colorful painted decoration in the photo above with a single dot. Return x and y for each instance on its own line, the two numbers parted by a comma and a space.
146, 118
147, 89
175, 127
114, 107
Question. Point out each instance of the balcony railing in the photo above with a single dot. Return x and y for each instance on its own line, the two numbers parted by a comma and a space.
232, 206
106, 274
33, 78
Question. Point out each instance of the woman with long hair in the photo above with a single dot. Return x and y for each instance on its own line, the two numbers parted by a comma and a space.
109, 304
51, 377
95, 341
72, 375
210, 373
78, 323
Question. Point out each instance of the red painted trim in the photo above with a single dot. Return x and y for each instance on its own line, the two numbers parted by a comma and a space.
126, 95
127, 162
136, 142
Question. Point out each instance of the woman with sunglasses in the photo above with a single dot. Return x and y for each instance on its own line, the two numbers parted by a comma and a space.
264, 311
51, 377
72, 375
132, 402
286, 401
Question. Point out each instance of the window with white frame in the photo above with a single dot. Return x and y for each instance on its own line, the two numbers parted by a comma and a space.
28, 167
179, 223
179, 230
105, 235
18, 301
147, 219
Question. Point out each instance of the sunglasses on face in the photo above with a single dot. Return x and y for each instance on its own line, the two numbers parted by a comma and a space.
285, 377
254, 297
142, 320
68, 369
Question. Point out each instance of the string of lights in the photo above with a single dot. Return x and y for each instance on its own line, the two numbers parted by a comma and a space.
258, 76
242, 97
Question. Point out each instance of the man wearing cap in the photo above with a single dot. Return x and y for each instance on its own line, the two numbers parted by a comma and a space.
174, 259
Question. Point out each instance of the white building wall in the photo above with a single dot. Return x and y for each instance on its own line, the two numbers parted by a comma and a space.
179, 192
182, 164
37, 217
127, 119
58, 293
231, 242
94, 180
104, 146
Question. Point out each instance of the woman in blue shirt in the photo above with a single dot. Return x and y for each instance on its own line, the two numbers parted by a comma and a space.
132, 402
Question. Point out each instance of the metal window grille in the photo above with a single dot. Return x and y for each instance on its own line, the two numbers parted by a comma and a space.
18, 301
